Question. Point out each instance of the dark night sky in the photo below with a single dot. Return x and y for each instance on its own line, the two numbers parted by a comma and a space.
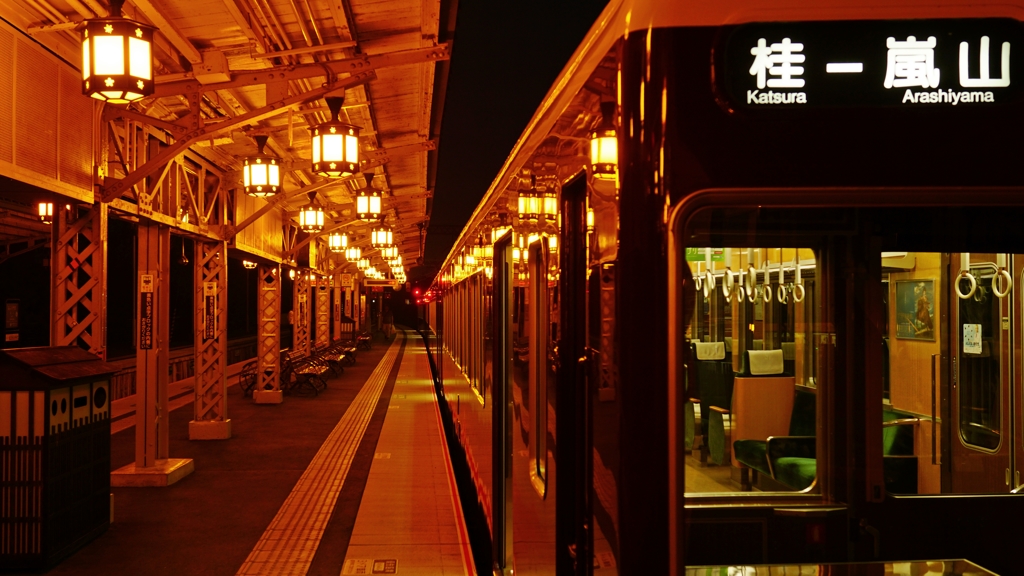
505, 56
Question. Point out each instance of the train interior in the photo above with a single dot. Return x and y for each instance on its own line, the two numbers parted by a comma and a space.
762, 341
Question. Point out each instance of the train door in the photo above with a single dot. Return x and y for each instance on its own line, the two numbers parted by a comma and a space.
982, 444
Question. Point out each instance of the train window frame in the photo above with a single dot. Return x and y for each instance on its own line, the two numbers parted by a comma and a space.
681, 217
540, 338
1001, 384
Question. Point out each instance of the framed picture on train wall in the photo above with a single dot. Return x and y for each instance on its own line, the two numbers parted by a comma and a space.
915, 309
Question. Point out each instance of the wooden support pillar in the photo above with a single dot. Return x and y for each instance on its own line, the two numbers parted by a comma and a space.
78, 278
268, 344
301, 313
323, 310
152, 467
211, 343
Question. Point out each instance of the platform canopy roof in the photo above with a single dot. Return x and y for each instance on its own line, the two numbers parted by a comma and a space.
398, 108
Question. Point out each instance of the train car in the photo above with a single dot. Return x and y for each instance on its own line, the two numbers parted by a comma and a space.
747, 290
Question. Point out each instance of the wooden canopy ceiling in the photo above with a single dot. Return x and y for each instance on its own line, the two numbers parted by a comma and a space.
399, 109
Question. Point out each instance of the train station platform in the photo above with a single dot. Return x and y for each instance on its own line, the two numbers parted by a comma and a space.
355, 480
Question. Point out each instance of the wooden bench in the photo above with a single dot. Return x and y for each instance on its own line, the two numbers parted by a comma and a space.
303, 375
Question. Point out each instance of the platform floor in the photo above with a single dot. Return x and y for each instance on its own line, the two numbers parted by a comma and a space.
353, 481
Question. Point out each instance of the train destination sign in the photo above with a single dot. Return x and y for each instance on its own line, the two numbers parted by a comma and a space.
913, 63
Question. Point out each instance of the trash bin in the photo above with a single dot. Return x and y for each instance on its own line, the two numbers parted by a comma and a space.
55, 450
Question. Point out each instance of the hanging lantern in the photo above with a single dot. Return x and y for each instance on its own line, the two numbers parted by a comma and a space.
117, 58
604, 148
248, 264
337, 242
397, 261
530, 202
499, 232
311, 218
46, 212
261, 174
549, 199
590, 219
368, 200
389, 252
353, 253
335, 144
363, 264
381, 237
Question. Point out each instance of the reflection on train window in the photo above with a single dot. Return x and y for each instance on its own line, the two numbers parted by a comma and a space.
757, 357
953, 319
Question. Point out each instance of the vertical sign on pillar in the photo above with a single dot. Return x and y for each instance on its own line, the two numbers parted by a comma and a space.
146, 288
209, 310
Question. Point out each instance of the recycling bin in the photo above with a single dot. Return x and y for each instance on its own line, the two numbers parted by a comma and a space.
55, 451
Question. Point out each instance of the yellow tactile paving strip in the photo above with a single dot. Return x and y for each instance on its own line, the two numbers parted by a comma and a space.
410, 519
290, 541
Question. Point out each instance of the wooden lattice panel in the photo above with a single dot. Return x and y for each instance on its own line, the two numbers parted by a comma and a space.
78, 277
211, 331
301, 308
268, 345
323, 312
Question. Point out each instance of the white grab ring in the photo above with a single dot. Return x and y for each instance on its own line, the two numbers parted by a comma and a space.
802, 292
751, 279
767, 292
995, 283
709, 283
782, 295
696, 283
728, 283
752, 295
740, 294
970, 278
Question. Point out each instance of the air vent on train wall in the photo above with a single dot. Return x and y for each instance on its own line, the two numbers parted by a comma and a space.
45, 122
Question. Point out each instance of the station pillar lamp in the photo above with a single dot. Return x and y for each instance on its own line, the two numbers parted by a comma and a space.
46, 212
604, 148
311, 218
261, 174
337, 242
335, 144
368, 200
117, 58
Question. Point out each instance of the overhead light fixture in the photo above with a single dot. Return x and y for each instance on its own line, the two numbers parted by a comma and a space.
353, 253
363, 264
248, 264
389, 252
590, 219
311, 218
117, 58
381, 237
337, 242
368, 200
604, 147
46, 212
261, 174
335, 144
529, 202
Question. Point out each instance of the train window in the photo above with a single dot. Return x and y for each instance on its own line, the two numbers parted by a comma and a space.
954, 317
757, 356
541, 334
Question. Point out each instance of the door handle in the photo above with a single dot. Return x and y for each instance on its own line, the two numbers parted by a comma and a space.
1007, 477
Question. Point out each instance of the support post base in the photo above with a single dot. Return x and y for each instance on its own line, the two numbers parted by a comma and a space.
268, 396
165, 473
209, 429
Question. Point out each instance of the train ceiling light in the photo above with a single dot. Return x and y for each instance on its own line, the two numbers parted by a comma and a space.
368, 200
335, 144
311, 218
117, 58
261, 174
604, 147
337, 242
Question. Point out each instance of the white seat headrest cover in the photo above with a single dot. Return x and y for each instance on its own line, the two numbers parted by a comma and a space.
710, 350
765, 362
